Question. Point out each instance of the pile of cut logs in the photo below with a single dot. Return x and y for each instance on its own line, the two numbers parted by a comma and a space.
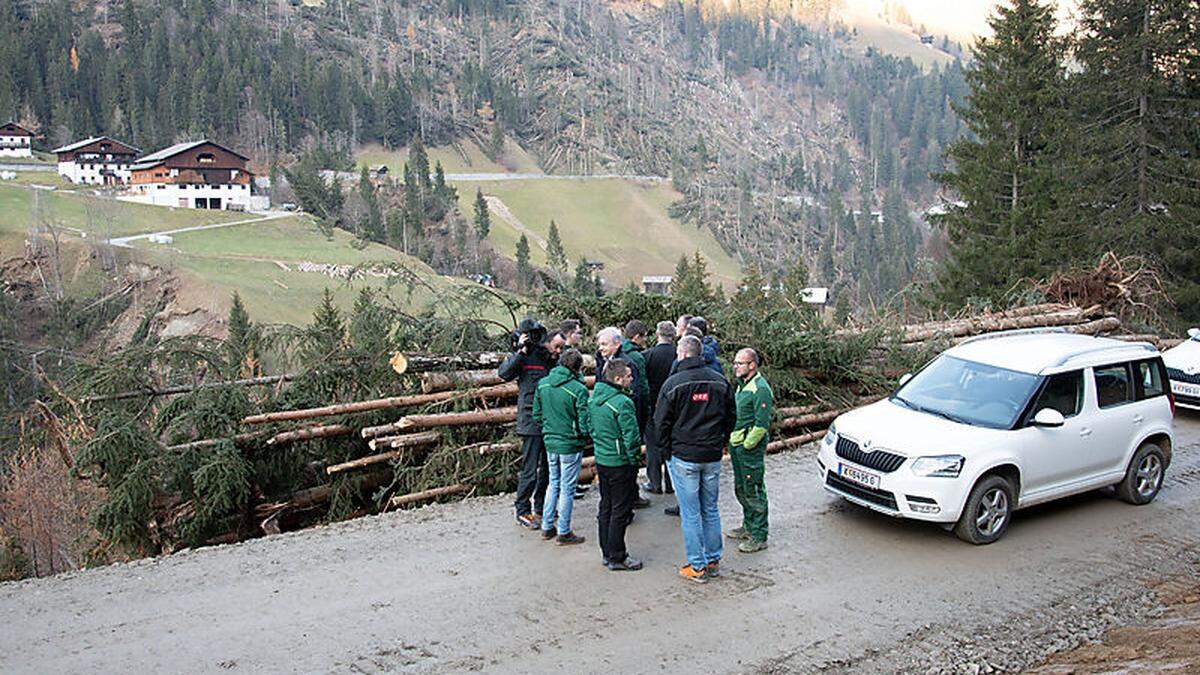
472, 377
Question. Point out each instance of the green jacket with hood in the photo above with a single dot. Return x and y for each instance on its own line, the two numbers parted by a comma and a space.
615, 433
560, 407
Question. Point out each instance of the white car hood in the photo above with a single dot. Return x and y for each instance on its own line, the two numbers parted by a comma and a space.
891, 426
1185, 356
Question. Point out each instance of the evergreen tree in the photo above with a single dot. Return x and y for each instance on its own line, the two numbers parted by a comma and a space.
369, 330
582, 285
242, 345
793, 282
483, 218
444, 192
326, 335
395, 230
419, 159
372, 228
556, 255
524, 268
414, 226
1138, 160
690, 285
1007, 173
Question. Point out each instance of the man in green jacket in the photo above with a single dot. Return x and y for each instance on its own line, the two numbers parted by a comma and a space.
631, 349
560, 407
618, 443
747, 445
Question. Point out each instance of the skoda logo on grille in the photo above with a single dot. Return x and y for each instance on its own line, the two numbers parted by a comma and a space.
867, 445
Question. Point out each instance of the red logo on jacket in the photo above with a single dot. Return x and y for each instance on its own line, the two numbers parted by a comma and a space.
700, 397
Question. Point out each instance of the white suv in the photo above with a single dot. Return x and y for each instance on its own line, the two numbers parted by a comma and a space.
1006, 421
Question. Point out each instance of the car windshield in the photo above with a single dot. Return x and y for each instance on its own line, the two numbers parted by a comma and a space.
968, 392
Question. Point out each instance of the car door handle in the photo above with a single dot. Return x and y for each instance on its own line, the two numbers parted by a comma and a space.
1084, 433
1138, 419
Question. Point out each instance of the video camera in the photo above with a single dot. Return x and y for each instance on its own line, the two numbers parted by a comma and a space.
535, 331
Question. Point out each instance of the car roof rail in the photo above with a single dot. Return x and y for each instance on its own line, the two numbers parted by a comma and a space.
1011, 333
1092, 353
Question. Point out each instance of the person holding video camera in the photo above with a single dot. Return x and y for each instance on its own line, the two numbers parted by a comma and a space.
530, 361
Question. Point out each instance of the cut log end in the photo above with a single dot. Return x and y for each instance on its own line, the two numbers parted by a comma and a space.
399, 363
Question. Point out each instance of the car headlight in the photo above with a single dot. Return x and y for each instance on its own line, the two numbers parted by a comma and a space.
830, 435
940, 466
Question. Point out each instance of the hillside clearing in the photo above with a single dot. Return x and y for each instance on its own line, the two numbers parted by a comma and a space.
619, 222
466, 158
97, 216
262, 260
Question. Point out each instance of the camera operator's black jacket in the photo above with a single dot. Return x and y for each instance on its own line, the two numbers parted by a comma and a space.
527, 370
695, 413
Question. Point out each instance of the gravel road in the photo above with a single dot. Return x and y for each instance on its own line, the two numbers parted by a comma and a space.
459, 587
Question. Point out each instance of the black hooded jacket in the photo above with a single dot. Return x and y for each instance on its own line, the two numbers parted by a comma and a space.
695, 413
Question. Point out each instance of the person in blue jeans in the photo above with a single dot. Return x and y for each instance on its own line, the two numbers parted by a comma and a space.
560, 408
693, 418
697, 486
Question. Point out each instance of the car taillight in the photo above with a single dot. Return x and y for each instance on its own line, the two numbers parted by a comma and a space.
1171, 398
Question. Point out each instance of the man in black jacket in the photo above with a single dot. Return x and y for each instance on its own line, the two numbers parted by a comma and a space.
528, 364
659, 360
693, 417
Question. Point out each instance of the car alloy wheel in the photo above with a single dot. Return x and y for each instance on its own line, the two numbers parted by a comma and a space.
1149, 476
992, 513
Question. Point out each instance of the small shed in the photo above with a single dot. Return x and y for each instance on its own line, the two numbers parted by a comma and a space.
815, 296
657, 285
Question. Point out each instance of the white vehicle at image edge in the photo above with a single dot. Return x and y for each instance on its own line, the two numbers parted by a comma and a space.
1183, 369
1005, 421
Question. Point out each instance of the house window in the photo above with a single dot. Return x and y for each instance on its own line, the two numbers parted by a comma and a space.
206, 158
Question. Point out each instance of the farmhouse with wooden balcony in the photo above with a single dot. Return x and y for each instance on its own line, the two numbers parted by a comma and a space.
197, 174
96, 161
15, 140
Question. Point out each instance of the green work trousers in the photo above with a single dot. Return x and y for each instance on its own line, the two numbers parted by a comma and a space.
748, 486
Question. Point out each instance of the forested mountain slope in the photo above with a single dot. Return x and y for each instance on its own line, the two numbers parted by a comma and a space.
766, 124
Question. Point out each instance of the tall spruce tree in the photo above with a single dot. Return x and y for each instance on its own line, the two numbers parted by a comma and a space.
556, 255
582, 285
242, 345
1137, 167
1006, 175
524, 268
483, 218
372, 226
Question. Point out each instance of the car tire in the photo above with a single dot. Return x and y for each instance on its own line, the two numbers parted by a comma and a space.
1144, 477
988, 511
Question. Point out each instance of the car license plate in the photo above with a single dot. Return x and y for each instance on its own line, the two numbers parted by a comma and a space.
858, 476
1185, 389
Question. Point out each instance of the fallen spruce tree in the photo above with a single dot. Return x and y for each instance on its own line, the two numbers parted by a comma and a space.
372, 416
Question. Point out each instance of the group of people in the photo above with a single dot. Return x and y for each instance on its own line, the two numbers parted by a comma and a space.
668, 406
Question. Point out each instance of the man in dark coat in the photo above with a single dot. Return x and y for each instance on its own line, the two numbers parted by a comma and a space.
529, 362
693, 418
659, 360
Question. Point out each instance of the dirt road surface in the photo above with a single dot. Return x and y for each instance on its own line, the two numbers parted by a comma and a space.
460, 587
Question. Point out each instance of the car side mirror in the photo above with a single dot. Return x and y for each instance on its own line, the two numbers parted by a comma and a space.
905, 378
1194, 333
1048, 417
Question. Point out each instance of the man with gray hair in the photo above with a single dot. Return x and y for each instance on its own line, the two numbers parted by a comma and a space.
659, 360
611, 345
693, 418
